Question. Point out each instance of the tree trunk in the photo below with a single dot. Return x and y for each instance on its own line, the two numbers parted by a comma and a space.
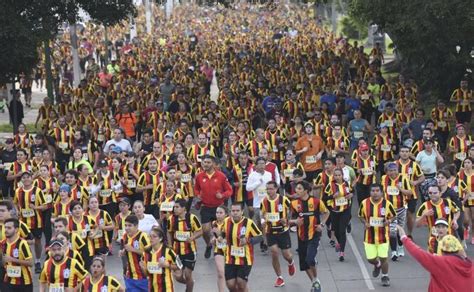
148, 16
106, 38
49, 72
75, 56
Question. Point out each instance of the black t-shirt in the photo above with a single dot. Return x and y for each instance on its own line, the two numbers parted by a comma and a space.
7, 157
453, 196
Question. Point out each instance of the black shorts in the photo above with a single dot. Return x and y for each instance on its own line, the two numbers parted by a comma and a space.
17, 288
37, 232
237, 271
307, 251
208, 214
412, 205
463, 117
188, 260
101, 251
282, 240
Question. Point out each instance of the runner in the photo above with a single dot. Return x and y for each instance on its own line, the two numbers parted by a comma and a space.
240, 234
219, 247
309, 214
377, 214
275, 210
97, 280
442, 228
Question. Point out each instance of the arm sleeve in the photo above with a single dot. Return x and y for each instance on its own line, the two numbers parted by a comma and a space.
431, 263
227, 187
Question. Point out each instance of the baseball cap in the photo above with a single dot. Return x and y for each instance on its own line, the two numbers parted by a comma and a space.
103, 163
56, 242
364, 147
309, 124
169, 134
392, 165
449, 243
460, 126
441, 222
116, 149
65, 188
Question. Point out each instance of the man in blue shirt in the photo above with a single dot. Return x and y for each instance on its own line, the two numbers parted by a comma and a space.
330, 98
270, 101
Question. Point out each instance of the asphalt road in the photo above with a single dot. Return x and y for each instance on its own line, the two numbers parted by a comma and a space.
354, 274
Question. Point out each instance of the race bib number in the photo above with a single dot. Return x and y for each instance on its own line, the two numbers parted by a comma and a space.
63, 145
221, 245
56, 287
367, 171
154, 268
442, 124
98, 234
393, 191
460, 156
389, 123
131, 183
376, 221
237, 251
386, 148
27, 213
275, 149
358, 134
288, 172
311, 159
105, 193
48, 199
167, 206
272, 217
182, 235
81, 233
341, 201
14, 271
185, 177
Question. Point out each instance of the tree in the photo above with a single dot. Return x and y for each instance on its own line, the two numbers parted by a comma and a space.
18, 52
425, 34
27, 23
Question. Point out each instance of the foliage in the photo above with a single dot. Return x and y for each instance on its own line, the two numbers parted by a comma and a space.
425, 34
354, 29
25, 24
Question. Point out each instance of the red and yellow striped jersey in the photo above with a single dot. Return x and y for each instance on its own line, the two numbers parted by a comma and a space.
48, 186
383, 147
181, 230
120, 224
105, 283
102, 238
254, 147
64, 274
23, 199
61, 209
392, 189
468, 180
463, 99
24, 231
366, 170
334, 144
83, 229
322, 179
141, 241
19, 249
459, 146
149, 178
232, 232
441, 117
196, 152
17, 167
241, 174
310, 211
444, 209
274, 211
187, 178
288, 168
376, 214
160, 279
106, 194
340, 203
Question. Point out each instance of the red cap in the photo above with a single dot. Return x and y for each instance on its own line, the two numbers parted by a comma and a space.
460, 125
363, 147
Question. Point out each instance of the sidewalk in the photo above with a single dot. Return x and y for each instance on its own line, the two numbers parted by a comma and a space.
30, 113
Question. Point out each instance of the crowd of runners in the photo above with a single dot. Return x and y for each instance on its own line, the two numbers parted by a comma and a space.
140, 162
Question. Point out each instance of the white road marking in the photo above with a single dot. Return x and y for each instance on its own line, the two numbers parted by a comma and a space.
360, 261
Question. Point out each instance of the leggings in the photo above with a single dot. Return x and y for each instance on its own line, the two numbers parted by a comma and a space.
339, 221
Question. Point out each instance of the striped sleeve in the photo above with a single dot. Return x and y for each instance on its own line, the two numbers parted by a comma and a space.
25, 251
254, 230
113, 283
196, 225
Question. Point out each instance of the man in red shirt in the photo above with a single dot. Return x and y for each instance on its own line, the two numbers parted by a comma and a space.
213, 189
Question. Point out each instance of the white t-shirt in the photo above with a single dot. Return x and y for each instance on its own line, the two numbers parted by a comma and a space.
147, 223
124, 144
427, 162
257, 183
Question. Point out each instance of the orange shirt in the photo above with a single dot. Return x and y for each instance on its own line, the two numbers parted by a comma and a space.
127, 123
315, 145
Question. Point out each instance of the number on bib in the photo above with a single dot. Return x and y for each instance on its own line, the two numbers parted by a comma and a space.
376, 221
14, 271
182, 235
167, 206
342, 201
154, 268
237, 251
272, 217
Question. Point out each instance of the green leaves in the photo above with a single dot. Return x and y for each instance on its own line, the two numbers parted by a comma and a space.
426, 34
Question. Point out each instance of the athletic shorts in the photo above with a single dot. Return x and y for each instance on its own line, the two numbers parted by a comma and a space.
136, 285
188, 260
463, 117
237, 271
412, 205
17, 288
282, 240
373, 251
307, 251
208, 214
37, 232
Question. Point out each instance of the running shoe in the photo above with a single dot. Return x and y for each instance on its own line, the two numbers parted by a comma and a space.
401, 251
385, 281
316, 286
349, 228
341, 256
332, 243
207, 254
376, 271
279, 282
338, 247
394, 256
291, 268
37, 268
